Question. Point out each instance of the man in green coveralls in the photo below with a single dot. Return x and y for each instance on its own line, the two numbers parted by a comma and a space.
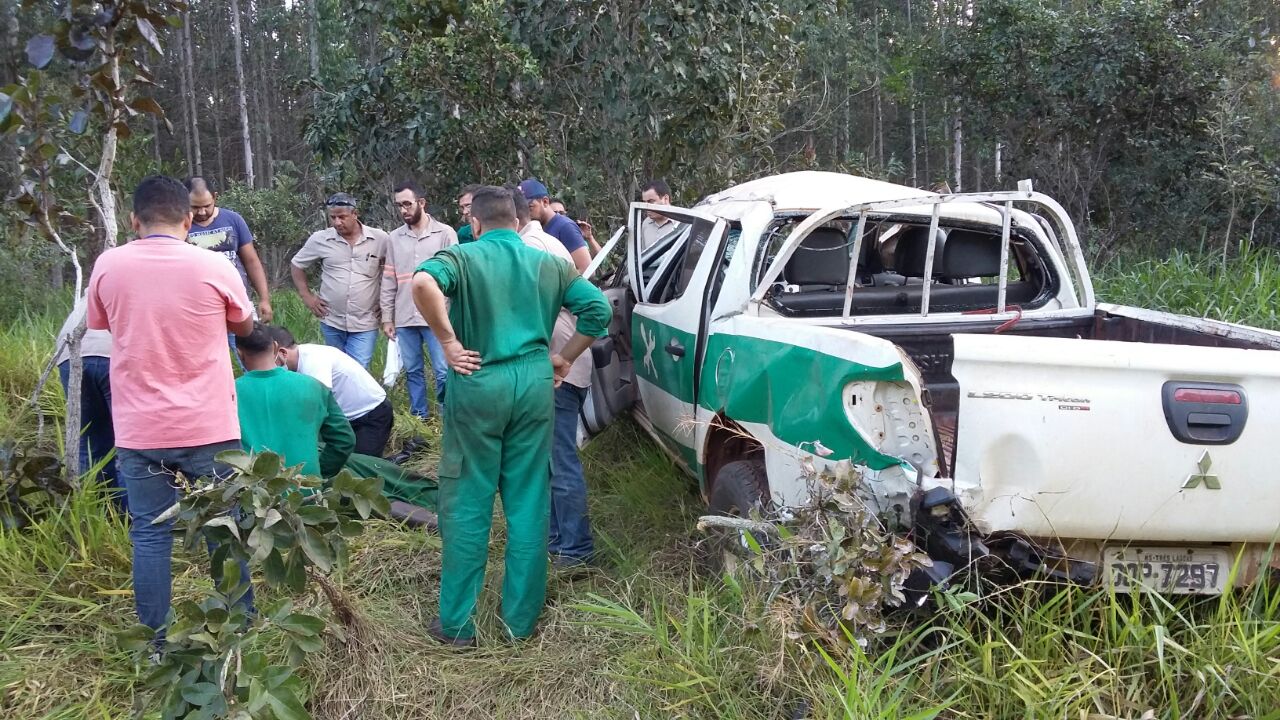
498, 421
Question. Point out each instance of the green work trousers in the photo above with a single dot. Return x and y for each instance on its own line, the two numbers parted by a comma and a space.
497, 440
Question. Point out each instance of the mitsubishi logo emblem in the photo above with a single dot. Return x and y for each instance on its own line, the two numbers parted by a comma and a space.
1194, 479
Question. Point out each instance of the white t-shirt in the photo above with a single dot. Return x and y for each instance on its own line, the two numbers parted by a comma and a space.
353, 387
566, 324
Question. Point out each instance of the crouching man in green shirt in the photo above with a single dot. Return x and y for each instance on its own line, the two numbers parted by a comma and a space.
299, 419
499, 418
288, 413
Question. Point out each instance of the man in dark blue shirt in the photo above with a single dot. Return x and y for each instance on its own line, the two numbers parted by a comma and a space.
558, 226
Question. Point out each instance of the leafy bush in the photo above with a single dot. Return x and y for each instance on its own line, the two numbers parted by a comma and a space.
288, 525
280, 217
830, 563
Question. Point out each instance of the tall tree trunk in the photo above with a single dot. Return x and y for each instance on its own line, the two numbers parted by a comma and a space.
313, 37
242, 100
217, 135
957, 136
999, 165
924, 125
915, 177
264, 96
187, 62
187, 93
879, 98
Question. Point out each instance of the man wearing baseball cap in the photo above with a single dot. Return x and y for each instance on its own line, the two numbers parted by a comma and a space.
351, 255
558, 226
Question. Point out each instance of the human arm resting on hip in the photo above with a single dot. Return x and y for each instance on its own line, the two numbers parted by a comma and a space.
430, 299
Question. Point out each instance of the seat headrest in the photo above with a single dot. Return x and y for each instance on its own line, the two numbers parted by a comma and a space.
970, 254
821, 259
913, 247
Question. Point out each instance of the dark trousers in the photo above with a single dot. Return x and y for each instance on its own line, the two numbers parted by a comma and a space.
97, 434
373, 429
149, 476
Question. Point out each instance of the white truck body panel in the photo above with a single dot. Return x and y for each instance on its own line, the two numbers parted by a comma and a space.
1068, 438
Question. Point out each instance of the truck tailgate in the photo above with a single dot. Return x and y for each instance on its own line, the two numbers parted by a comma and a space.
1076, 439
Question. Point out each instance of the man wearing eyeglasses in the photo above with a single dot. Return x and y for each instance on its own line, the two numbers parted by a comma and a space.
464, 208
408, 246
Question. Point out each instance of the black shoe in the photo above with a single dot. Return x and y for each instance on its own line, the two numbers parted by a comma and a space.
416, 444
570, 565
436, 630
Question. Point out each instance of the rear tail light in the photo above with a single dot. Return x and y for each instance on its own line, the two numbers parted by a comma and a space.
1205, 413
1208, 396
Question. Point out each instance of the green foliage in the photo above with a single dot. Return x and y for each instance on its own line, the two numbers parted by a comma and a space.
44, 112
1130, 113
288, 525
280, 216
506, 89
1243, 289
830, 563
32, 484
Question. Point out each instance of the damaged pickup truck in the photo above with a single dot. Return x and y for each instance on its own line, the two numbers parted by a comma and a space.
949, 347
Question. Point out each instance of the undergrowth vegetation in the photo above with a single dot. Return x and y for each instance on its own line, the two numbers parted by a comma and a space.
651, 632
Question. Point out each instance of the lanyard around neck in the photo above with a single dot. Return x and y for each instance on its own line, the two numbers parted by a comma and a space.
159, 235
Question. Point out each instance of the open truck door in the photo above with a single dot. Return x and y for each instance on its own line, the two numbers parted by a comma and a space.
670, 279
612, 391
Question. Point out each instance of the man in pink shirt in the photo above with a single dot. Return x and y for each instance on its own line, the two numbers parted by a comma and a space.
169, 306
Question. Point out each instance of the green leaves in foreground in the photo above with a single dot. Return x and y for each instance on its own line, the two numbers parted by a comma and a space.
283, 523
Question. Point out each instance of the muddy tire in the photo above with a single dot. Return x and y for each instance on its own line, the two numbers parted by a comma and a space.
741, 489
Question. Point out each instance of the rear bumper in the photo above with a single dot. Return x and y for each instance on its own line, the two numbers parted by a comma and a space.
1253, 561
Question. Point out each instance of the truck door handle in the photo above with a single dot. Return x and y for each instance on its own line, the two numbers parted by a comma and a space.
675, 348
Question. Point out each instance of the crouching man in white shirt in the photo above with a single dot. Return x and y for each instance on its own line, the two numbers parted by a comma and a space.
361, 398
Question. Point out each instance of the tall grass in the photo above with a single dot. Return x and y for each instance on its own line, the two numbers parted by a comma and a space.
1244, 289
651, 634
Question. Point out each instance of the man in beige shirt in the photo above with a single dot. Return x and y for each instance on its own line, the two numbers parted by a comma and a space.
655, 226
418, 239
569, 536
350, 256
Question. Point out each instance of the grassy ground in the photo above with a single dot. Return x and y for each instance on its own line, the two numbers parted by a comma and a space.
651, 634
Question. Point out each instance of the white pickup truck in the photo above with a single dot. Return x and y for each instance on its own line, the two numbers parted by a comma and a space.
949, 347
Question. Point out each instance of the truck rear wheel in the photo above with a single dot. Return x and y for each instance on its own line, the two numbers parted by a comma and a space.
741, 489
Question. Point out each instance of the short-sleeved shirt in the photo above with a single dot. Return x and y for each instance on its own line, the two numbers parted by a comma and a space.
506, 296
405, 251
167, 305
350, 276
226, 233
95, 343
580, 372
353, 387
566, 231
651, 232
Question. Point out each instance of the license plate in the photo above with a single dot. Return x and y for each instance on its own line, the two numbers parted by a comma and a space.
1174, 570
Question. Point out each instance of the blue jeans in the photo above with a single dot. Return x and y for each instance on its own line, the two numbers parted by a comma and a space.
358, 345
235, 356
570, 529
411, 340
97, 434
148, 478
